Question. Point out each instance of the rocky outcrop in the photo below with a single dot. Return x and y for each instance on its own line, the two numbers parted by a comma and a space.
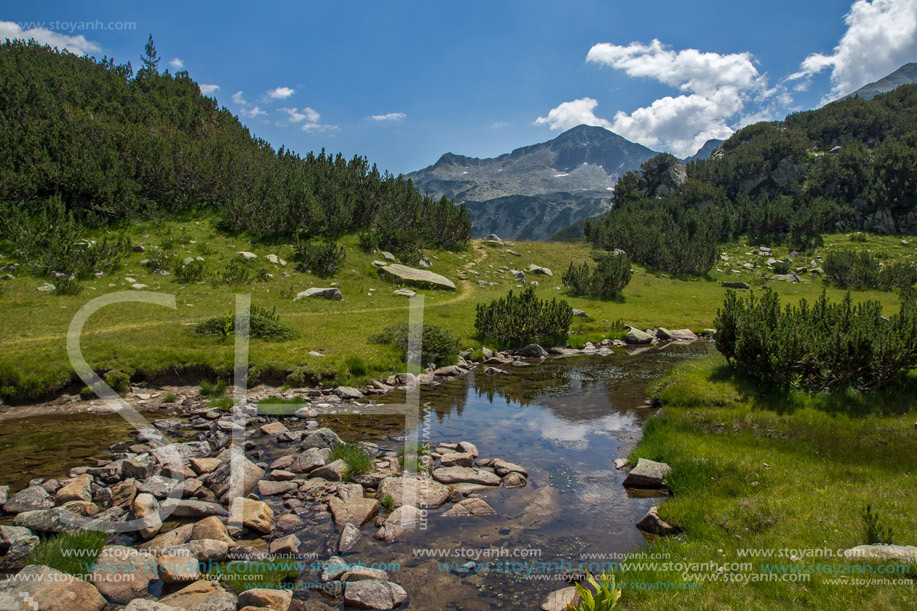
332, 293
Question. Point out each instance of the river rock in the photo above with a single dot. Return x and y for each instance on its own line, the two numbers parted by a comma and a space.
332, 293
470, 507
533, 351
504, 467
77, 490
682, 335
285, 546
122, 573
123, 493
191, 509
256, 515
178, 569
357, 511
560, 600
455, 475
211, 528
16, 543
32, 498
202, 596
54, 520
401, 274
158, 486
350, 534
237, 470
311, 459
399, 521
348, 392
143, 604
647, 474
636, 336
202, 550
274, 488
457, 459
275, 600
181, 452
652, 523
203, 466
322, 438
333, 471
374, 594
175, 537
146, 509
47, 589
274, 428
514, 480
424, 493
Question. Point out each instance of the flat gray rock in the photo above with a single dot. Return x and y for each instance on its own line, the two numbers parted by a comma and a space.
415, 277
647, 474
332, 293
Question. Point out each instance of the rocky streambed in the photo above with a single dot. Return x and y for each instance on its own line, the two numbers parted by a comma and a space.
519, 459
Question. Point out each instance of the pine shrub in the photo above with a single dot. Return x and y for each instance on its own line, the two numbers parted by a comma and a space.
437, 346
609, 277
523, 318
263, 324
826, 346
321, 258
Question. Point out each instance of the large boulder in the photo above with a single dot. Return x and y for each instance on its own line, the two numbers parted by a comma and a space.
256, 515
275, 600
122, 573
47, 589
311, 459
423, 493
374, 594
211, 528
470, 507
202, 596
356, 511
401, 274
236, 477
190, 509
537, 269
177, 536
332, 293
647, 474
77, 490
404, 518
636, 336
652, 523
333, 471
16, 543
322, 438
54, 520
533, 351
561, 600
678, 335
32, 498
883, 553
146, 509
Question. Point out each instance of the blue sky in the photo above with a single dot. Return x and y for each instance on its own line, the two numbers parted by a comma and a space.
404, 82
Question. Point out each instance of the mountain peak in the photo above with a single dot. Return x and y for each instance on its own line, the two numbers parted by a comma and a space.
905, 75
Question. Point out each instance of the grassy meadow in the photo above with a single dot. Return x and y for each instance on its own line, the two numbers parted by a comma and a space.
145, 341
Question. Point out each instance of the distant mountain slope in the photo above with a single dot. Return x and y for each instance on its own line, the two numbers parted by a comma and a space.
905, 75
530, 191
704, 151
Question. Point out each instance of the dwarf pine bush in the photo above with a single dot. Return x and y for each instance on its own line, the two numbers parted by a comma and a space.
825, 346
523, 318
322, 258
607, 279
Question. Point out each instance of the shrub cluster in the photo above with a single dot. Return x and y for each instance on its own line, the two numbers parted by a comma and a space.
438, 345
263, 324
321, 258
521, 319
609, 277
863, 270
826, 346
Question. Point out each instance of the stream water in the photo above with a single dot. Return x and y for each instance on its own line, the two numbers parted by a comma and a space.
565, 421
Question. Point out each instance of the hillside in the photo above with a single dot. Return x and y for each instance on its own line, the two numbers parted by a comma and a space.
905, 75
114, 145
562, 180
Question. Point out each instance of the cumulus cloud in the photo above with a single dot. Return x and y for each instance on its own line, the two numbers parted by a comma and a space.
571, 114
392, 116
714, 90
208, 89
177, 64
238, 99
306, 114
252, 112
881, 36
280, 93
75, 44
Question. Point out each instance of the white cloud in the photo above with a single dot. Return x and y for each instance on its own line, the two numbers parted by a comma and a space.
208, 89
571, 114
238, 99
687, 70
252, 112
75, 44
714, 90
280, 93
177, 64
392, 116
881, 36
306, 114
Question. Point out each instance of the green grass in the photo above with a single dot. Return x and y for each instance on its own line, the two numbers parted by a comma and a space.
214, 390
169, 398
764, 468
277, 406
253, 575
355, 456
221, 403
82, 548
144, 340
